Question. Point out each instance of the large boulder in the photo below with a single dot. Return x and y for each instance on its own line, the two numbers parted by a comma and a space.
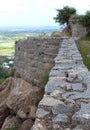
22, 99
26, 125
18, 98
10, 122
4, 112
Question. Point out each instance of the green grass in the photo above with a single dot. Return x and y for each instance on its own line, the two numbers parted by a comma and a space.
85, 50
2, 80
45, 77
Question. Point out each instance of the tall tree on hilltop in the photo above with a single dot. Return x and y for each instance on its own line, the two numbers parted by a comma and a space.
64, 14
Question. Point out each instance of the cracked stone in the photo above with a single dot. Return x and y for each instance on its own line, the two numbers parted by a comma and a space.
77, 86
61, 118
41, 113
49, 101
62, 108
56, 94
83, 115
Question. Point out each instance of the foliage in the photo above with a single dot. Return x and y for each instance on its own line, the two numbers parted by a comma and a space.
85, 51
40, 92
45, 77
1, 80
12, 72
14, 127
64, 14
4, 73
85, 21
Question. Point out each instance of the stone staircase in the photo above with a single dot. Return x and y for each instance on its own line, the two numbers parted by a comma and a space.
66, 102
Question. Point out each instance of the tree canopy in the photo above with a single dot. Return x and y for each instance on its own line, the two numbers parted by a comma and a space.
64, 14
85, 21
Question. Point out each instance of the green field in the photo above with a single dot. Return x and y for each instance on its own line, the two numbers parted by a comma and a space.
7, 46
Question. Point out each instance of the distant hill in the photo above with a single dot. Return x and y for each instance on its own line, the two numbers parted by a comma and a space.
28, 29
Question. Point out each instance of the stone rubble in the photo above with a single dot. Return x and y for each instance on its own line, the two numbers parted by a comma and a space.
66, 102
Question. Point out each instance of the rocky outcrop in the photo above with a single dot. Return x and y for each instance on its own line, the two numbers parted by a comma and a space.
56, 34
66, 102
18, 103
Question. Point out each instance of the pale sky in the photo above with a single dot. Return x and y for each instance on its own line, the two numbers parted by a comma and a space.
36, 12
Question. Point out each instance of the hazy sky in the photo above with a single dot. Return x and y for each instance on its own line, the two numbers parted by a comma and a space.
36, 12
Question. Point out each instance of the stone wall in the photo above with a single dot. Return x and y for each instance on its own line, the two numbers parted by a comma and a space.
66, 102
77, 29
34, 56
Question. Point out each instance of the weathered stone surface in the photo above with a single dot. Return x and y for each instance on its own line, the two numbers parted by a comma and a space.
67, 93
77, 87
53, 85
26, 125
35, 54
63, 109
57, 73
18, 98
4, 112
41, 113
77, 128
60, 118
56, 94
39, 125
49, 101
9, 122
83, 115
77, 29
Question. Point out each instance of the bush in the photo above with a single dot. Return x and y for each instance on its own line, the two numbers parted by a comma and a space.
4, 73
85, 21
45, 77
1, 80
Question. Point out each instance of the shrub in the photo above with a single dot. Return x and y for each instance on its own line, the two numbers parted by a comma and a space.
4, 73
1, 80
45, 77
85, 21
12, 72
40, 92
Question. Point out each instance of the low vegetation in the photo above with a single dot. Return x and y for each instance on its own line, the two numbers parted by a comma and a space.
4, 73
85, 50
6, 50
45, 77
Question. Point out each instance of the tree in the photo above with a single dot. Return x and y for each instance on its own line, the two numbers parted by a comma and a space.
64, 14
85, 21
